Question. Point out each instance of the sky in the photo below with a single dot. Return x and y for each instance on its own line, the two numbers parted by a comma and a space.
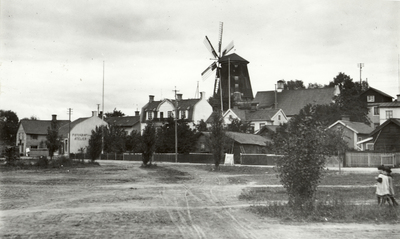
55, 55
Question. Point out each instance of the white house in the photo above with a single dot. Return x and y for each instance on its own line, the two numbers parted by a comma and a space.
257, 118
80, 132
193, 110
389, 110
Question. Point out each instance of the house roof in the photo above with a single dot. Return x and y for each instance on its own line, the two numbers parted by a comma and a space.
394, 104
39, 126
377, 91
243, 138
126, 121
292, 101
184, 104
267, 129
380, 127
357, 127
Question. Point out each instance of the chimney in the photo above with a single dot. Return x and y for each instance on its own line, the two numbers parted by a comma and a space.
346, 117
151, 98
53, 117
178, 96
398, 97
94, 113
202, 95
280, 85
137, 113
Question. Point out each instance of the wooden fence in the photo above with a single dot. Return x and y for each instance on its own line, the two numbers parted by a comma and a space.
370, 159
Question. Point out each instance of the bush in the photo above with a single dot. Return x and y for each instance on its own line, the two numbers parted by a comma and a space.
42, 162
11, 155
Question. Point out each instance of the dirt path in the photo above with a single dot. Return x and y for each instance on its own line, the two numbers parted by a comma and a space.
121, 200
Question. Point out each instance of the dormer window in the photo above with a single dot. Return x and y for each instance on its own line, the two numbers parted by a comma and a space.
183, 114
150, 115
370, 98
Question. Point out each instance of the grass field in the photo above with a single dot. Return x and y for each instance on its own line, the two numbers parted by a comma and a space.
123, 200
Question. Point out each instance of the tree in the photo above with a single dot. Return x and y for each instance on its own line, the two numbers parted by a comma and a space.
148, 143
95, 143
186, 137
305, 144
52, 138
132, 143
348, 100
293, 85
217, 138
238, 125
114, 139
9, 127
115, 113
202, 126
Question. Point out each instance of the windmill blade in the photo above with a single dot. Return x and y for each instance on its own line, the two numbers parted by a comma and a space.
207, 72
221, 26
228, 48
210, 48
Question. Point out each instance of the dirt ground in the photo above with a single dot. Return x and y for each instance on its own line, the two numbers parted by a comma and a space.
122, 200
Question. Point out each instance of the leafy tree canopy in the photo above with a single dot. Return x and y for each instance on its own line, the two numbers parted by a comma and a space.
237, 125
115, 113
9, 127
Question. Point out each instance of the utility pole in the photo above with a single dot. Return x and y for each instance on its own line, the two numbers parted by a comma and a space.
102, 117
69, 132
176, 126
229, 82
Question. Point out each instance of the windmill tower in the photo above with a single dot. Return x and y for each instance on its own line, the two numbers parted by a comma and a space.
231, 76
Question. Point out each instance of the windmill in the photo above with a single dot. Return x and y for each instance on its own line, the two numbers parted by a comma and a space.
216, 57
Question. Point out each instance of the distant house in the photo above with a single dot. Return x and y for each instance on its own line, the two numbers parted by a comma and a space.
3, 144
386, 138
80, 131
258, 118
128, 123
374, 99
353, 132
240, 143
192, 110
31, 134
389, 110
292, 101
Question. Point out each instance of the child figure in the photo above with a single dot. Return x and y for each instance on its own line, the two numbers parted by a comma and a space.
391, 188
382, 187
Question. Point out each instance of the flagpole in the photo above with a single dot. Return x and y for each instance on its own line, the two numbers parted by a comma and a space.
102, 116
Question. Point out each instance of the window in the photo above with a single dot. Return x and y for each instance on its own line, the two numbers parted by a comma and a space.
389, 114
150, 115
34, 147
369, 146
262, 125
161, 115
279, 117
376, 110
370, 98
183, 114
34, 136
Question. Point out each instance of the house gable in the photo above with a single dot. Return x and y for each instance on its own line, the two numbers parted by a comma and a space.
386, 137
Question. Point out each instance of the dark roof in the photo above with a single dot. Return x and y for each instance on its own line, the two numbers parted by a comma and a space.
380, 127
64, 129
292, 101
267, 129
394, 104
243, 138
359, 127
377, 91
232, 57
39, 126
126, 121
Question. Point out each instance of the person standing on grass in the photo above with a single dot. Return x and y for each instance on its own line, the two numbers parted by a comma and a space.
391, 188
382, 187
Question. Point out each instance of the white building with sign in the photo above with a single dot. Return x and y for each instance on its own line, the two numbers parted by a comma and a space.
80, 130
